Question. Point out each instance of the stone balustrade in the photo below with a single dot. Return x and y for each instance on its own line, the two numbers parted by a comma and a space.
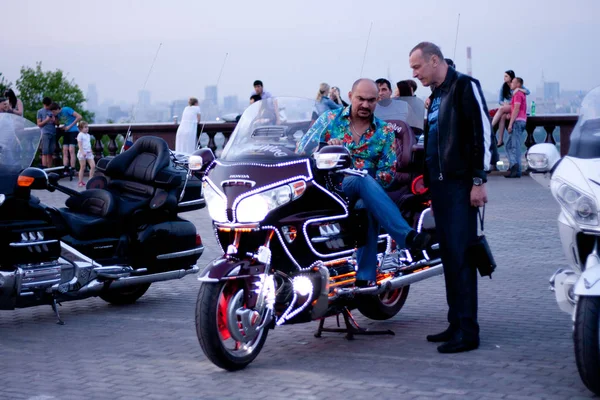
214, 135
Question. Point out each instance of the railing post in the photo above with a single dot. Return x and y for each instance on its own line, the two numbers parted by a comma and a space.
211, 141
112, 144
565, 139
530, 128
226, 135
98, 147
549, 134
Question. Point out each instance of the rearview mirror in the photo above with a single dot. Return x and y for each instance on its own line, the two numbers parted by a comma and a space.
200, 160
543, 157
333, 157
33, 178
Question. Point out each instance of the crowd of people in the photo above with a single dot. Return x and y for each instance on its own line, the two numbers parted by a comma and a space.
74, 133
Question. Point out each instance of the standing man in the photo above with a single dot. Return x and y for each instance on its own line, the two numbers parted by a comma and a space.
46, 120
457, 143
71, 118
516, 128
388, 109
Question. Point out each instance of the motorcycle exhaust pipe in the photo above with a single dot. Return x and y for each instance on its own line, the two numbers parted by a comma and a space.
95, 286
437, 268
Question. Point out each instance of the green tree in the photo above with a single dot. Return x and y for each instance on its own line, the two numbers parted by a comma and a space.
35, 84
4, 84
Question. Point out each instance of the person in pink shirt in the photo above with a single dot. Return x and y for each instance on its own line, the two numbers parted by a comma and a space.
516, 128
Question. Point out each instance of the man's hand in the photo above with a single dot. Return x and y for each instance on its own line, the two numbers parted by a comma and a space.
336, 142
478, 196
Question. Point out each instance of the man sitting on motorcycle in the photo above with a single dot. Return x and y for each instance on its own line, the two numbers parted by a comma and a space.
370, 142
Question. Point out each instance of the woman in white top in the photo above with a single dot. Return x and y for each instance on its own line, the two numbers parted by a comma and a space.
185, 141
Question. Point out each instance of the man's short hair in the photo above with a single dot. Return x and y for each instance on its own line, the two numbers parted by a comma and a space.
54, 106
358, 81
47, 101
428, 49
3, 99
520, 80
404, 89
382, 81
412, 84
255, 97
258, 83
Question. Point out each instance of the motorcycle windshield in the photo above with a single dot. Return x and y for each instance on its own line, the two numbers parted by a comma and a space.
585, 138
19, 141
270, 130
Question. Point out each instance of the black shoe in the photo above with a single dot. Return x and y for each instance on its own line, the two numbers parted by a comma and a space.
458, 344
444, 336
418, 241
512, 172
362, 283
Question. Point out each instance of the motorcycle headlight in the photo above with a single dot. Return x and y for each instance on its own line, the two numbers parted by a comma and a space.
581, 207
216, 203
256, 207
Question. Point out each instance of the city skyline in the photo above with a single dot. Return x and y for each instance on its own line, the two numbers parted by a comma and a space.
293, 48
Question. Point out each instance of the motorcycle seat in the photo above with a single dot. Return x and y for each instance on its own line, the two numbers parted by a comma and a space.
91, 214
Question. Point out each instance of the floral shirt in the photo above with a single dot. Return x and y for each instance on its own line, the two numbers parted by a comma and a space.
375, 152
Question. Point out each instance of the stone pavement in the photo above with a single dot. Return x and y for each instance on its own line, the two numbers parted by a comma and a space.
149, 350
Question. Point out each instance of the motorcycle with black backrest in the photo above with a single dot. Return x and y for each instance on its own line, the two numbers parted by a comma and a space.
289, 236
111, 241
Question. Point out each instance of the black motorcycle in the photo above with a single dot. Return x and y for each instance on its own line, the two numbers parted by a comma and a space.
112, 240
289, 236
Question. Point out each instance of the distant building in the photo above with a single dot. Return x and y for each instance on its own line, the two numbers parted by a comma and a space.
551, 91
230, 104
177, 108
210, 95
144, 98
115, 113
91, 98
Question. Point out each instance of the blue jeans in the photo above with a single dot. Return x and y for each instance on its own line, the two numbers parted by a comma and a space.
514, 143
382, 211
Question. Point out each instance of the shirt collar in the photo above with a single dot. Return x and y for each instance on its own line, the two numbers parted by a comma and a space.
450, 76
376, 123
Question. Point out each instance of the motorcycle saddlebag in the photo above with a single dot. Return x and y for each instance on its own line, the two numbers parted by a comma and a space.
192, 198
157, 245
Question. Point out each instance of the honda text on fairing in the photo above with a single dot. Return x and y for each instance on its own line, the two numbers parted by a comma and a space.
112, 240
575, 183
289, 235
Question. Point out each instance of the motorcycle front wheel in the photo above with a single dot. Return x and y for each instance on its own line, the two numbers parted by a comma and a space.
216, 301
587, 341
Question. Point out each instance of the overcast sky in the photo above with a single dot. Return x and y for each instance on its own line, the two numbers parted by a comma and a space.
294, 45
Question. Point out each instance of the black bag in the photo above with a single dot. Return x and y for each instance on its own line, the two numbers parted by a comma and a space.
479, 253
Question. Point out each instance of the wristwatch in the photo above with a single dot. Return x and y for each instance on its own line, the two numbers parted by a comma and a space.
477, 181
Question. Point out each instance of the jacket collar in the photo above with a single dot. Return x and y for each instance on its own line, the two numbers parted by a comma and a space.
450, 78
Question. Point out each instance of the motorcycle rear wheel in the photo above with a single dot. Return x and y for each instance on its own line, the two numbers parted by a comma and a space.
126, 295
587, 341
213, 330
383, 306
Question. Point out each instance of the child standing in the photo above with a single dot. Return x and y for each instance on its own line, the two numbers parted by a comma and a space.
85, 151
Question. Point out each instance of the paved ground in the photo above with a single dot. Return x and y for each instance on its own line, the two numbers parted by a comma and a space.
149, 350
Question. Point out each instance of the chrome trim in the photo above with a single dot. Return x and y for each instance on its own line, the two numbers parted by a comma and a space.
32, 243
184, 253
206, 279
234, 181
237, 225
77, 253
191, 203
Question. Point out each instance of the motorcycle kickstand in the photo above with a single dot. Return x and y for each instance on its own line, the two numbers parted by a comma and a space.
55, 309
352, 327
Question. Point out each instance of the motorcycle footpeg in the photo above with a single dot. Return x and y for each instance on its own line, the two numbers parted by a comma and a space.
113, 272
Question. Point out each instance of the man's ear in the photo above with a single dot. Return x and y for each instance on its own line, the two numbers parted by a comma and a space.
350, 95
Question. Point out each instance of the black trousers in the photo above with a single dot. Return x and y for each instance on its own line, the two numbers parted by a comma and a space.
456, 227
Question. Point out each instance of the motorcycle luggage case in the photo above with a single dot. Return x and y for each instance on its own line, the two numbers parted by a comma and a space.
192, 198
166, 238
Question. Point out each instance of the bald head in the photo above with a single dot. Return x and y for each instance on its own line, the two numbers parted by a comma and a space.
363, 98
364, 82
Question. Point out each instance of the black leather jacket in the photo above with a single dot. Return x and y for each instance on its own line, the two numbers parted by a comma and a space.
464, 128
